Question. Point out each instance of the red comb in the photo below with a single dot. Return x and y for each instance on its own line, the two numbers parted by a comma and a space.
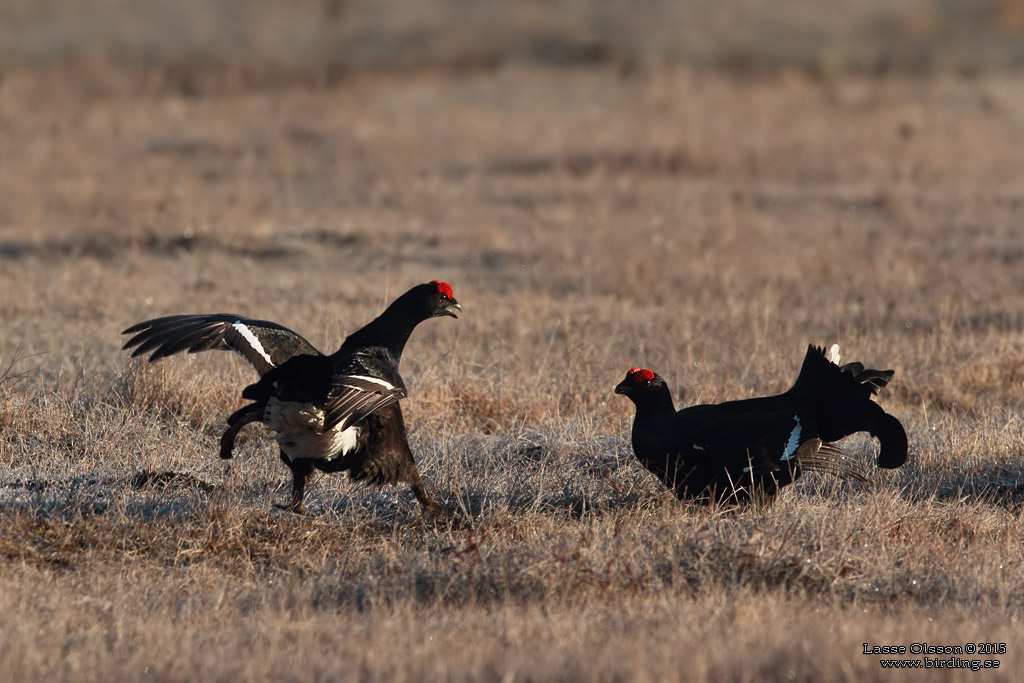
641, 374
443, 288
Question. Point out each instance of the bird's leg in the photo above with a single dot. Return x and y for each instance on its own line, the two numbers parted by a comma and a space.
430, 506
300, 470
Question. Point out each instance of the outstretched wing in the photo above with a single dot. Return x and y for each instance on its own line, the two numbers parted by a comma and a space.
814, 456
264, 344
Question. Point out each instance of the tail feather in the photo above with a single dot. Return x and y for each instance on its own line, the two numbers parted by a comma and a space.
839, 399
833, 354
238, 419
819, 374
853, 368
893, 441
875, 379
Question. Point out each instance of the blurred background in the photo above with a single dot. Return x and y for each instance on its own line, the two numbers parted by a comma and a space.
703, 164
868, 35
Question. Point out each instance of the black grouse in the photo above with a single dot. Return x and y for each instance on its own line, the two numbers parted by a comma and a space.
332, 412
735, 451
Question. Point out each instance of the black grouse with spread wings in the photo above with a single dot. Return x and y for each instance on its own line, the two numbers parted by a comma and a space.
336, 412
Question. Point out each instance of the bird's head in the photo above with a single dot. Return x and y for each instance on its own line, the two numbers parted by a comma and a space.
637, 381
644, 387
443, 300
432, 299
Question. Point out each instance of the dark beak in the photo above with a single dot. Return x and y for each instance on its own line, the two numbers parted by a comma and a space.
451, 308
622, 387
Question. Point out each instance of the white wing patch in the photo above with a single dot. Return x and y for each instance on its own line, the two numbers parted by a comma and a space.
299, 431
254, 342
832, 355
697, 447
794, 440
386, 386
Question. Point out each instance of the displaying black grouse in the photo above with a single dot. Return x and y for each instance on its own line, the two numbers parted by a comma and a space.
332, 412
732, 452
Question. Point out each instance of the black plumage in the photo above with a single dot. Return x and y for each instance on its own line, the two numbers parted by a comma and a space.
732, 452
162, 337
336, 412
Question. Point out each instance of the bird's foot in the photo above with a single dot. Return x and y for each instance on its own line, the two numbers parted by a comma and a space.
292, 506
434, 511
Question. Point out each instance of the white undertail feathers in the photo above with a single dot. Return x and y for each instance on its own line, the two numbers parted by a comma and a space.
833, 354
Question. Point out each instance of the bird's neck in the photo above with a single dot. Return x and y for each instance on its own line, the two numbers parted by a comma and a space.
390, 330
654, 404
652, 431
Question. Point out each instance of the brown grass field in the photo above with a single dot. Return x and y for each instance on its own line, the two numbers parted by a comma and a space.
703, 223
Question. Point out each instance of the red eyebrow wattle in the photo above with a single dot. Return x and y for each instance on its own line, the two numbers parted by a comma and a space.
443, 288
641, 374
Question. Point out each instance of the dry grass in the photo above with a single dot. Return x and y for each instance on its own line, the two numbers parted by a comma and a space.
704, 226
